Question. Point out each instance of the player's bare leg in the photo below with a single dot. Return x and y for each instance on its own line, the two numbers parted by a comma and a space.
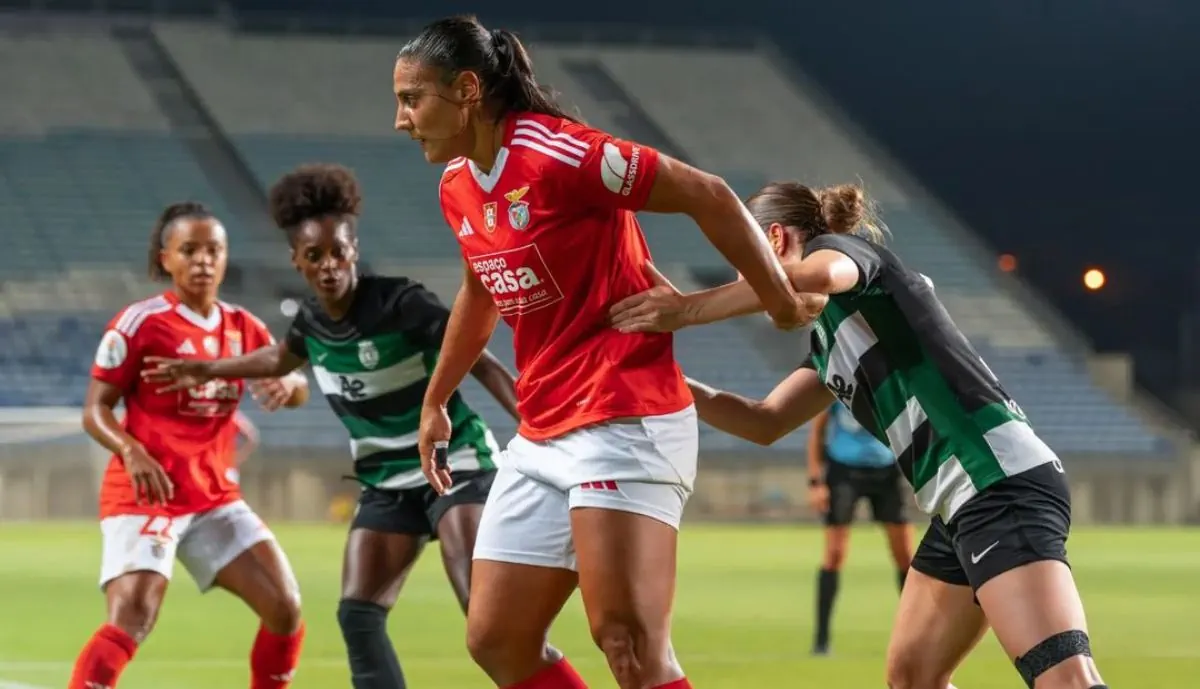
937, 625
134, 600
374, 568
900, 543
512, 608
833, 557
262, 577
627, 579
456, 533
1038, 618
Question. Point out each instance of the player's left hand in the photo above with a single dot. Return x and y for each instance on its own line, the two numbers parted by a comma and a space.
272, 393
660, 309
178, 374
435, 428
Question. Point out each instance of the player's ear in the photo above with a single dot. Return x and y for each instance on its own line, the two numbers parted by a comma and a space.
467, 87
777, 237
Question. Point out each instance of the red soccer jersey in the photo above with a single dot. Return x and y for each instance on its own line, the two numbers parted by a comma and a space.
192, 433
551, 233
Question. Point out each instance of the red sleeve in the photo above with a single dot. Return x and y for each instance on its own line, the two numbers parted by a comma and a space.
117, 358
603, 170
256, 332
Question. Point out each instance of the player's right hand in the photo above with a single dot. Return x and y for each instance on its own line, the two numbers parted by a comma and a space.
150, 481
435, 427
660, 309
792, 313
818, 498
178, 374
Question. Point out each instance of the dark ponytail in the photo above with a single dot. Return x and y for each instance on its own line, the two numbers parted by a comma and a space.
173, 212
461, 44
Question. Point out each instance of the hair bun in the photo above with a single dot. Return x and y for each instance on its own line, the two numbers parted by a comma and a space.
844, 207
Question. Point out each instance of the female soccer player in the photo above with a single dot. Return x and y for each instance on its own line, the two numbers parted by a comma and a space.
885, 346
372, 342
845, 464
596, 481
171, 487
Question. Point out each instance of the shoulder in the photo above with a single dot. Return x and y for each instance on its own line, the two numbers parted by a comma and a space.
453, 171
554, 141
241, 315
132, 318
843, 243
386, 287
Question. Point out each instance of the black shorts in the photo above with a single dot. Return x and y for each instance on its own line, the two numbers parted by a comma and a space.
884, 487
418, 510
1023, 519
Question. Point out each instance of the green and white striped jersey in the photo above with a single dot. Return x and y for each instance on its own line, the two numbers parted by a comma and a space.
373, 366
889, 351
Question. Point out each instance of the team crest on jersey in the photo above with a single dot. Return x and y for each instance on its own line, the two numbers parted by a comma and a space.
368, 355
490, 209
233, 340
212, 346
518, 210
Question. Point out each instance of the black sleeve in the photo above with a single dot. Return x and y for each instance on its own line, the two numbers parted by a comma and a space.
421, 315
856, 249
807, 363
294, 339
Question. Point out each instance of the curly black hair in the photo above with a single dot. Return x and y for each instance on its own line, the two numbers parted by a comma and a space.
314, 191
173, 212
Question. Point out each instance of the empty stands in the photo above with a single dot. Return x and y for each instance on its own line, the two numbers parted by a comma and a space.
87, 161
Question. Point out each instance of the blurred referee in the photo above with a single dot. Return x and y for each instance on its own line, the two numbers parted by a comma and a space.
846, 463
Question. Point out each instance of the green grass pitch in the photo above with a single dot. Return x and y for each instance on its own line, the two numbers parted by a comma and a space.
743, 614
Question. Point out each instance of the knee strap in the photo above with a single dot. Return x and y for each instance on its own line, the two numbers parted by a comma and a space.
1051, 652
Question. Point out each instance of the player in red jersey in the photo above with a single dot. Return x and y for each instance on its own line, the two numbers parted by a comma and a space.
171, 487
592, 490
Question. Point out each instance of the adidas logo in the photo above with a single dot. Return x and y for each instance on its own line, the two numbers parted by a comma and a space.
186, 348
466, 230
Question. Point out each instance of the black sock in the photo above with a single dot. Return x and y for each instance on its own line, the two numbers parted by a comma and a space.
827, 586
900, 577
373, 662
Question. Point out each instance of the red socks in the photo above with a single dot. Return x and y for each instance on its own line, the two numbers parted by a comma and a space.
558, 676
680, 683
274, 658
103, 658
272, 661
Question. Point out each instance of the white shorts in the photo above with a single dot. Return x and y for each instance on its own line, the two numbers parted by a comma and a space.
204, 542
646, 466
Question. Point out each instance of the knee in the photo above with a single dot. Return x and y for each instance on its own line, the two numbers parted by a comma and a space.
359, 616
135, 615
835, 556
490, 645
905, 671
282, 616
630, 646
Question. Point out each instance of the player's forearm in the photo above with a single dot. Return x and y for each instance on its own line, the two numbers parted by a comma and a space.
100, 422
268, 362
816, 447
734, 414
739, 299
498, 381
816, 456
472, 320
733, 231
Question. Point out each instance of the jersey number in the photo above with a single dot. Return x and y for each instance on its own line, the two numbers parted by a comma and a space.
352, 389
